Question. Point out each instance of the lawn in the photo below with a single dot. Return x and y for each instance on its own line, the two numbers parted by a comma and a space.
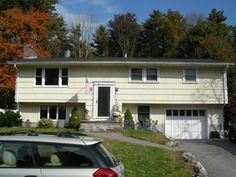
143, 161
155, 137
43, 130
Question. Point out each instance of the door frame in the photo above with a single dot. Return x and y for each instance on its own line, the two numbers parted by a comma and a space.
96, 85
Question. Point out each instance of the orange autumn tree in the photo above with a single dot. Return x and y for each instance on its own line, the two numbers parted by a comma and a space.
17, 29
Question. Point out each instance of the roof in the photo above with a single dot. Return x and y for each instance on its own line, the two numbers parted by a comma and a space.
121, 61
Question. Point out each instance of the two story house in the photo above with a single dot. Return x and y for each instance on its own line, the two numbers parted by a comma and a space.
184, 97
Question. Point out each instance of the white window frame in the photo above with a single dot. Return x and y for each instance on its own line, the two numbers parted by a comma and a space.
190, 82
144, 75
43, 77
48, 111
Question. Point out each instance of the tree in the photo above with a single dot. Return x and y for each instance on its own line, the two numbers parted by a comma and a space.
18, 29
74, 42
47, 6
193, 18
83, 26
101, 39
124, 31
161, 34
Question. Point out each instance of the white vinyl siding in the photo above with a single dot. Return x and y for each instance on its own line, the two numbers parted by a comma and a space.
170, 90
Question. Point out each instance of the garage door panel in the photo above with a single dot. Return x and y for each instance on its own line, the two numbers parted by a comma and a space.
185, 127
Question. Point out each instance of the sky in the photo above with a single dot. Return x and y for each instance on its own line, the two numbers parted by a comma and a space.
103, 10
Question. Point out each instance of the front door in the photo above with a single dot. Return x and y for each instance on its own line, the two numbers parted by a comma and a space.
104, 100
104, 94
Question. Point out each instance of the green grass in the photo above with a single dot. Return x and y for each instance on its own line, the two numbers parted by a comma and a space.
143, 161
155, 137
43, 130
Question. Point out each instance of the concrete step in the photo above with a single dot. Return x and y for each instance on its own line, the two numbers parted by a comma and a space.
100, 126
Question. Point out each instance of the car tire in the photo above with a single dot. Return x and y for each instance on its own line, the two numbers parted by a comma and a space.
232, 138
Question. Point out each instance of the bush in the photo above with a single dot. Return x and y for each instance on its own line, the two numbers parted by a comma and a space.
45, 123
75, 119
10, 119
129, 121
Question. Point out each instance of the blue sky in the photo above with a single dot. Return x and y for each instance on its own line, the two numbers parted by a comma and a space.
103, 10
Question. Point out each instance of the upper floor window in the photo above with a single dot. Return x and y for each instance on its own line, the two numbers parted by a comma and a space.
143, 75
151, 74
190, 75
51, 76
136, 74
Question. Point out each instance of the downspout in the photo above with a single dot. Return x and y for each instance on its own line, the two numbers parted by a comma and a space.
225, 90
17, 88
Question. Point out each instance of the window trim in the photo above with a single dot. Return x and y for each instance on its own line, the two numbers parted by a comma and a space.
48, 111
190, 82
144, 75
59, 77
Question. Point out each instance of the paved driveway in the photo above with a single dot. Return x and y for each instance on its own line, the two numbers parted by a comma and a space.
217, 156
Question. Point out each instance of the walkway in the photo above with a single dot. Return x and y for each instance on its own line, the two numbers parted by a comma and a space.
120, 137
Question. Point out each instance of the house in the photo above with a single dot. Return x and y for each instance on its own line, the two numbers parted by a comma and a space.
182, 97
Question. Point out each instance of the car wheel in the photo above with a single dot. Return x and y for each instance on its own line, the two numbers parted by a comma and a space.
232, 138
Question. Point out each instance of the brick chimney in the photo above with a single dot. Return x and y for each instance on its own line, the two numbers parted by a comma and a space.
29, 52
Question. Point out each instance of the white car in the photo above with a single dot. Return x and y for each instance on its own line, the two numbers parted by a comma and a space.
59, 155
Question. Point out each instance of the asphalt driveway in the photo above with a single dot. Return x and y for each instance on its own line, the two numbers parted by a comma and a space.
217, 156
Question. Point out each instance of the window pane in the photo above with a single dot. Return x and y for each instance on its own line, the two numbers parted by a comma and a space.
64, 156
195, 112
136, 74
202, 113
16, 155
38, 80
190, 74
64, 80
182, 112
151, 74
175, 112
52, 112
188, 113
64, 72
51, 76
62, 112
43, 112
168, 112
143, 109
38, 71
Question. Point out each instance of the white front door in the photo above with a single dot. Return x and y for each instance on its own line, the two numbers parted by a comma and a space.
104, 100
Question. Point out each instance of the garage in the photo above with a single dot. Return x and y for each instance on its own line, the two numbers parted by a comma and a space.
185, 124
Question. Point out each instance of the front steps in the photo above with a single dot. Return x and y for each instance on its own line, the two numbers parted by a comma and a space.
100, 126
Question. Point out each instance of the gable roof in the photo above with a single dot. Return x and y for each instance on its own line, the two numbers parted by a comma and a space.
121, 61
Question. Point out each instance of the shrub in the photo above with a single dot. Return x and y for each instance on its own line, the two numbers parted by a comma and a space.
129, 121
10, 119
45, 123
75, 119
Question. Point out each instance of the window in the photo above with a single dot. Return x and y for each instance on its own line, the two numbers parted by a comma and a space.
151, 74
51, 76
136, 74
144, 116
64, 76
63, 156
190, 75
38, 76
144, 75
183, 113
54, 112
16, 155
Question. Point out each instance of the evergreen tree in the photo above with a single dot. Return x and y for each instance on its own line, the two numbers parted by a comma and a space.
101, 40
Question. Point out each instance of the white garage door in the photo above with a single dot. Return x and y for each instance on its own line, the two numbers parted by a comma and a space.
186, 127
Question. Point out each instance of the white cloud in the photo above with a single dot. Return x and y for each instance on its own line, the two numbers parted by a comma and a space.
65, 13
